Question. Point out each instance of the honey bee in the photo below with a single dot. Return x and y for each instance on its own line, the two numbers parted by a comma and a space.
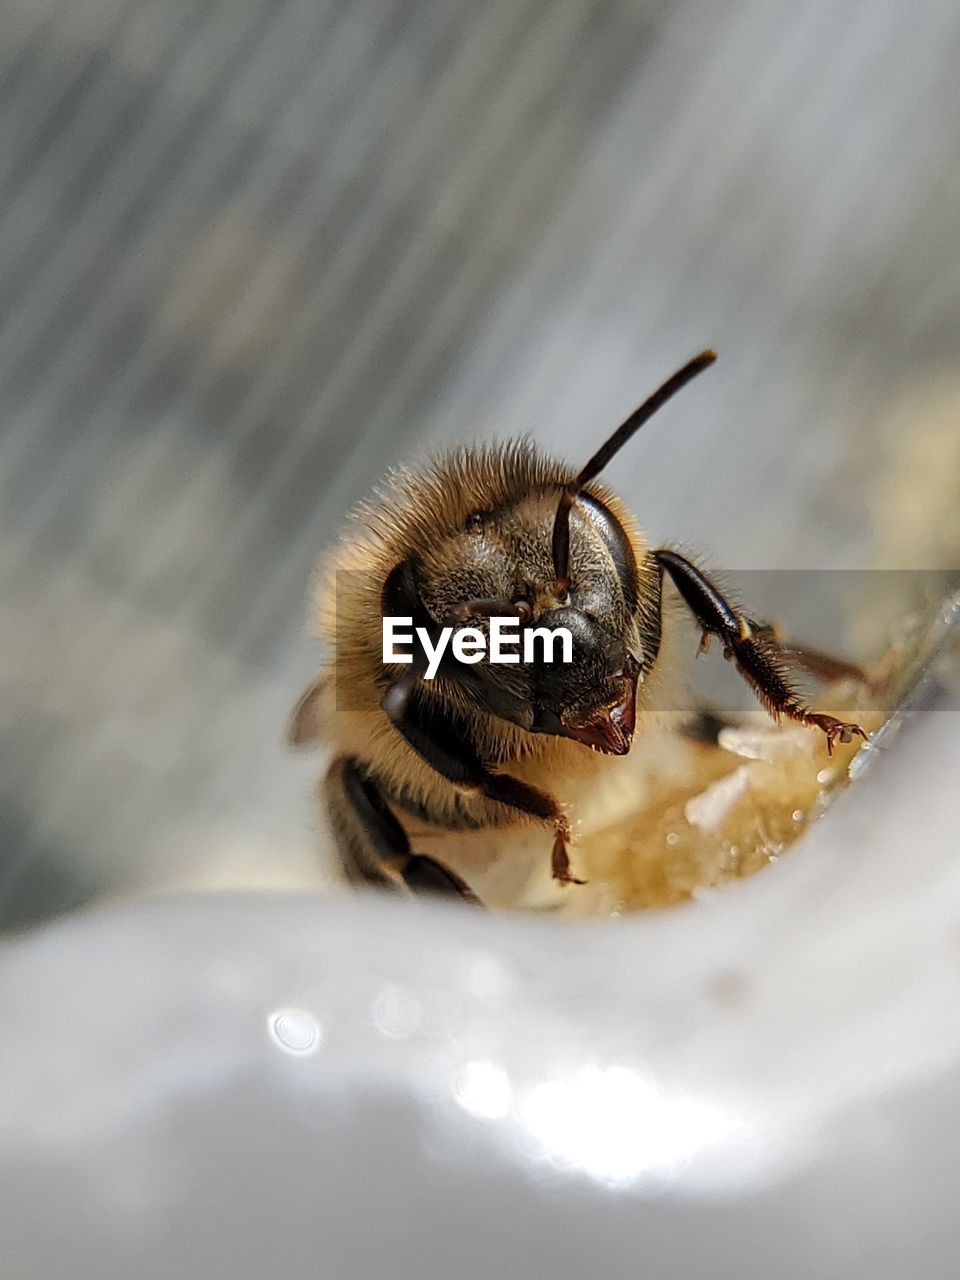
505, 532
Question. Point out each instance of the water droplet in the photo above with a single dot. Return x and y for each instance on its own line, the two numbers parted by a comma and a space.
295, 1031
396, 1012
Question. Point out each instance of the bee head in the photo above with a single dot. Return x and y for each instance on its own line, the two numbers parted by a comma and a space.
551, 562
580, 686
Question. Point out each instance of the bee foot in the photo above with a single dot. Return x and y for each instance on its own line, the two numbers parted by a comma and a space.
835, 729
560, 858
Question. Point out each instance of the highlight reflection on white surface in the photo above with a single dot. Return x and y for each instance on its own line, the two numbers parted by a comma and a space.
396, 1012
616, 1126
484, 1090
295, 1031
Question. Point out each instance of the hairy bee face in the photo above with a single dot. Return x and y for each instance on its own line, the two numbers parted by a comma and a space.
500, 564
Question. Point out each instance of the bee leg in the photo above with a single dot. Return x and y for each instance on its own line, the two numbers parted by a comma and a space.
446, 748
372, 842
560, 857
760, 658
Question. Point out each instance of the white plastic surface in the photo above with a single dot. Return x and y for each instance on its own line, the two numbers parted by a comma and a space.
763, 1083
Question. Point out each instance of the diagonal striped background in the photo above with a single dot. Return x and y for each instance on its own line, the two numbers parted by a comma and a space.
252, 252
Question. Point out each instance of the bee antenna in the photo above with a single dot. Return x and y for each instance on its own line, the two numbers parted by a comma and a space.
561, 524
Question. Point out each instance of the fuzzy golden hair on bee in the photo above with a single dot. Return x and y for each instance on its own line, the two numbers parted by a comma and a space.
482, 538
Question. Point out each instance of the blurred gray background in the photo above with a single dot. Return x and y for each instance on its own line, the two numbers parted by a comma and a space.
253, 252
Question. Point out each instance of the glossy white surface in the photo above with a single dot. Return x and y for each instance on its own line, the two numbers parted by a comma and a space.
763, 1083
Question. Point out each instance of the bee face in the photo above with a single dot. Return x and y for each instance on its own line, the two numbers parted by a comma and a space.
503, 560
